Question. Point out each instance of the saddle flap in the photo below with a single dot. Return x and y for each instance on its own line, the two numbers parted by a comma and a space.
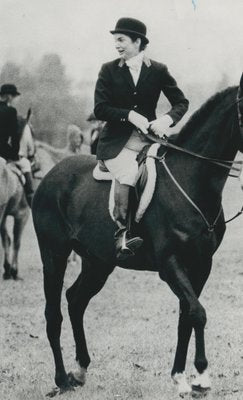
101, 173
146, 185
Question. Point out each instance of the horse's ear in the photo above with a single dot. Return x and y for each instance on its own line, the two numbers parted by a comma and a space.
241, 82
28, 114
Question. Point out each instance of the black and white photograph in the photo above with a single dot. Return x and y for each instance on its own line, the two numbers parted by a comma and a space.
121, 199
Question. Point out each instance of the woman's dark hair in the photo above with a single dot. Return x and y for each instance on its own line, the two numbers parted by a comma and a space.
134, 37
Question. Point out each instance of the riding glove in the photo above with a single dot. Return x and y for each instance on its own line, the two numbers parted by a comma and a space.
160, 126
139, 121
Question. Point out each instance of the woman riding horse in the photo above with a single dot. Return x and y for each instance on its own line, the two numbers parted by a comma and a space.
121, 98
10, 130
181, 229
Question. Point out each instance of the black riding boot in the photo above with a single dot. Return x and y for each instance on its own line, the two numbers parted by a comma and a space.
28, 188
126, 245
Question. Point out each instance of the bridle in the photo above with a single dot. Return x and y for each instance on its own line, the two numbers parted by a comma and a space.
228, 164
240, 117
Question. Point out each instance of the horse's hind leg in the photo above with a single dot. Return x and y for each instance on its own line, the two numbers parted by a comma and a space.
54, 267
89, 283
19, 224
6, 243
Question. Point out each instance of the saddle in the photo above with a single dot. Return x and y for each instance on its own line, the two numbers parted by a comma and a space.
146, 182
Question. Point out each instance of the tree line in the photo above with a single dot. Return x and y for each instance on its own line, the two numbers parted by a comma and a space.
48, 91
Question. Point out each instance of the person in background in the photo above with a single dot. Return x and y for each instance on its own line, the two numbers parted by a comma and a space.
126, 96
10, 131
74, 144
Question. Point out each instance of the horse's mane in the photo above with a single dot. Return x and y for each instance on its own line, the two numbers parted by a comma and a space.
200, 117
21, 125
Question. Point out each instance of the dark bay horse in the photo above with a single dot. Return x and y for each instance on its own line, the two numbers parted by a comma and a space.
13, 203
70, 211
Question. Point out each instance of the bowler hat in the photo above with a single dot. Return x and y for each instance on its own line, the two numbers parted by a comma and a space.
131, 25
8, 88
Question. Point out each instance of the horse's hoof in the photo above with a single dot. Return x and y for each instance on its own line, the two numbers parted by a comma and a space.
14, 273
73, 381
66, 388
200, 389
17, 278
202, 382
62, 382
53, 393
77, 378
183, 386
7, 275
61, 390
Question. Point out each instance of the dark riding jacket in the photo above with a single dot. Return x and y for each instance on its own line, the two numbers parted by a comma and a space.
116, 95
9, 138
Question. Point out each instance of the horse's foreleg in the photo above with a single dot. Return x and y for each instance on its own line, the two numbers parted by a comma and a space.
198, 279
19, 224
6, 243
54, 267
176, 277
184, 334
89, 283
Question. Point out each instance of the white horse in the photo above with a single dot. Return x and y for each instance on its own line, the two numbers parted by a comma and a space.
13, 200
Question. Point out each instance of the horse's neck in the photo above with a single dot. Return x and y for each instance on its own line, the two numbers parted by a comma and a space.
27, 146
211, 130
214, 135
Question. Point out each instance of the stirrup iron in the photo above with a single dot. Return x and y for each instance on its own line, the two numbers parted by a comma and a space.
124, 247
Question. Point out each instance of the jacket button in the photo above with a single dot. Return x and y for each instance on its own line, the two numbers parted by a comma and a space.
135, 106
135, 93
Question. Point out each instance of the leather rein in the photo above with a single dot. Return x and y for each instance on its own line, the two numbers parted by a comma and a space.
228, 164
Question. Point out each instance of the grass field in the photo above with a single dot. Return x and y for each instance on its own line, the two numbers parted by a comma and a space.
131, 328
